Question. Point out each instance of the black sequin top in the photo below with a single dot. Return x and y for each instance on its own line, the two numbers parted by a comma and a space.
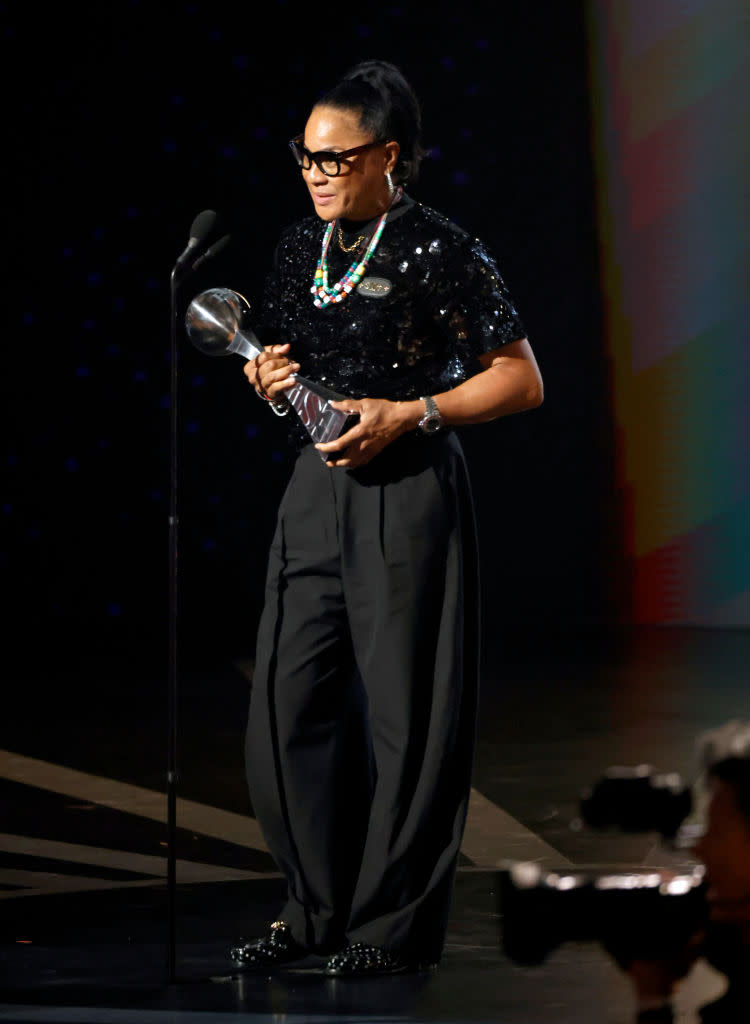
431, 302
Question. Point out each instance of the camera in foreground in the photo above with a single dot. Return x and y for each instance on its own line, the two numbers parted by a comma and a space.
644, 913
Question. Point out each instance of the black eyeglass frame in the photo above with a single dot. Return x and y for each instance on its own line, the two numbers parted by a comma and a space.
302, 154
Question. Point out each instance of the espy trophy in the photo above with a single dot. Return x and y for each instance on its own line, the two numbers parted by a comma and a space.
216, 323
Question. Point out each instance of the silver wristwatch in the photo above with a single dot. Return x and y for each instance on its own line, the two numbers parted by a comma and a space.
432, 421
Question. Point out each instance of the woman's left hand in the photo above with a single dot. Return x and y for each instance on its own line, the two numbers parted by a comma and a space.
380, 422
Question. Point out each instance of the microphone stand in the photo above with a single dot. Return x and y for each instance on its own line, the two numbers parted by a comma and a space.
201, 225
172, 774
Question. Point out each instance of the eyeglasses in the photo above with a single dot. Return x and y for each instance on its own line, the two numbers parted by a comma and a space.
329, 163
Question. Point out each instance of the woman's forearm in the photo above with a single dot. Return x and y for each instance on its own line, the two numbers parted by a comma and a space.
509, 383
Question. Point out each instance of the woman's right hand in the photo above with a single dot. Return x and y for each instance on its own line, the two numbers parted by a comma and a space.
272, 372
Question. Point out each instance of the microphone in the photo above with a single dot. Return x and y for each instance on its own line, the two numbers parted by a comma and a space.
198, 231
211, 251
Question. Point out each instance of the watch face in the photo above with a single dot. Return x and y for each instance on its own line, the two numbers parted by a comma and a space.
430, 424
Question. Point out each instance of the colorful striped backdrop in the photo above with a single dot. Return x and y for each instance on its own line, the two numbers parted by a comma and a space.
670, 83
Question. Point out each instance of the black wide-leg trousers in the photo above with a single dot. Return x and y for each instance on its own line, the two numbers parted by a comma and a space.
363, 707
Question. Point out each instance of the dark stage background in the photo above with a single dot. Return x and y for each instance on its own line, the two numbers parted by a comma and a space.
136, 125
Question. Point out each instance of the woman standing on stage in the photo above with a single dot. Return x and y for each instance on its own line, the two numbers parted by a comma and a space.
362, 716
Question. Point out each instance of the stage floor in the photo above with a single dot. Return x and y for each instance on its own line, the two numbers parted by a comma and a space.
84, 933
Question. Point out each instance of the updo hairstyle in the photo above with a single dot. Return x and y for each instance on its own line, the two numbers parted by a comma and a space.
388, 108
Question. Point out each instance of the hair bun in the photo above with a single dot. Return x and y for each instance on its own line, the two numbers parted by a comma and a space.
377, 73
388, 108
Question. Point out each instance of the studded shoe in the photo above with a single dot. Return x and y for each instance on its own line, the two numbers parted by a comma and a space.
363, 960
274, 950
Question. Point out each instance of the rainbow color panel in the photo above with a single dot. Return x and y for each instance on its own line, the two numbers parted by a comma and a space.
670, 83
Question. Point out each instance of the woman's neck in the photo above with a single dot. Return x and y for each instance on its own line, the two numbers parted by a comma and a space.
379, 207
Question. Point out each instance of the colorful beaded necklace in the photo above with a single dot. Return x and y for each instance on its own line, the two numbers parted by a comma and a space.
320, 289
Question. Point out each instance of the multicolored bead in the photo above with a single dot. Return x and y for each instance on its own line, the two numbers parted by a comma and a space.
324, 295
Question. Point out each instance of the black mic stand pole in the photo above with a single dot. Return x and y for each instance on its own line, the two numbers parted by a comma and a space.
198, 231
172, 775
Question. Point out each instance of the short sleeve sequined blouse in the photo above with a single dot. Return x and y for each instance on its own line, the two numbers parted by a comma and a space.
433, 301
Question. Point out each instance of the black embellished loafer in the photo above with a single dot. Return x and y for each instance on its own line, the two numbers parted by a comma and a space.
362, 960
273, 950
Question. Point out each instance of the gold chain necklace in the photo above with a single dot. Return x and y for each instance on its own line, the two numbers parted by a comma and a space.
353, 246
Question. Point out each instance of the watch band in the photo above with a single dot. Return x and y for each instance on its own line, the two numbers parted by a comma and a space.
432, 421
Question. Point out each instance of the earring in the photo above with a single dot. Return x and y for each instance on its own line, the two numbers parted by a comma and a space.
389, 179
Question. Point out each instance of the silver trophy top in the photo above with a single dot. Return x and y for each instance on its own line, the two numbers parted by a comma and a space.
213, 322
